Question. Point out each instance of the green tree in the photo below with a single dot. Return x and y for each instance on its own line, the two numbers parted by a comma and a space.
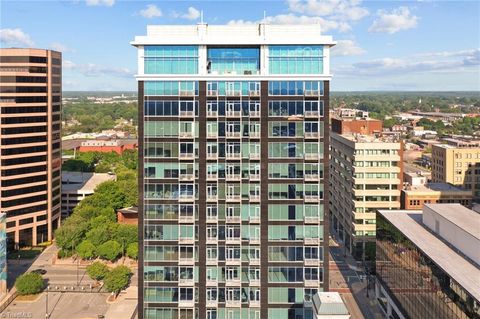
117, 279
71, 233
126, 234
132, 250
97, 271
86, 250
29, 284
109, 250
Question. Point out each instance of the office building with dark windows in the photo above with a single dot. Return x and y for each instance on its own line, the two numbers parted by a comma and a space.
30, 144
427, 263
233, 140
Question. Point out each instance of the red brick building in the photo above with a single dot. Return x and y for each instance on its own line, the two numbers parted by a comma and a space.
107, 146
359, 126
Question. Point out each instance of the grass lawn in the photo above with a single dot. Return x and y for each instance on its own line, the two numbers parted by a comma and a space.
29, 253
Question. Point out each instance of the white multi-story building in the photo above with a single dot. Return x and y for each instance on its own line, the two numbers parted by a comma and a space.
234, 151
366, 175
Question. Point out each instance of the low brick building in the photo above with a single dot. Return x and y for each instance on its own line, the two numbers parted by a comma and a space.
414, 197
128, 215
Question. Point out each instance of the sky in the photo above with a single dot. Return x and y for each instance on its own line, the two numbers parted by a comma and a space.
382, 45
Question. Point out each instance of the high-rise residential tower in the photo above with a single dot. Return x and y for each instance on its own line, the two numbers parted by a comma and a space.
233, 143
30, 143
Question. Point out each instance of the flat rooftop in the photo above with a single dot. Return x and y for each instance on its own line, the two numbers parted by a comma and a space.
83, 182
458, 267
436, 187
205, 34
359, 138
459, 215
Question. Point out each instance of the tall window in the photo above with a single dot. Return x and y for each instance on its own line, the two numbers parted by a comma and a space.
171, 59
295, 59
233, 60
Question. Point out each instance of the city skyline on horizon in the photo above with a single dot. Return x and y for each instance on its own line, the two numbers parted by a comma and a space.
397, 45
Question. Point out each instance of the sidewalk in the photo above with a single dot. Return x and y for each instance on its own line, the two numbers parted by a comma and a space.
347, 278
125, 306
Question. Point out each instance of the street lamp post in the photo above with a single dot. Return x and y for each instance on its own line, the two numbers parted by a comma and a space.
46, 304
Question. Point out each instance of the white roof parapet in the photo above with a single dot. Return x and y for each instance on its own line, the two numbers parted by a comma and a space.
255, 34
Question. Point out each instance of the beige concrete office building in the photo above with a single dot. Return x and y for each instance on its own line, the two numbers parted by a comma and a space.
365, 175
30, 143
459, 166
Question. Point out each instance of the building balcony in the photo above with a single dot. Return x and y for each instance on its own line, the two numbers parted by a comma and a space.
211, 261
310, 262
254, 113
311, 113
186, 303
236, 282
186, 156
254, 303
233, 134
186, 261
311, 241
255, 156
254, 134
311, 177
212, 135
186, 93
212, 198
212, 177
233, 262
186, 135
233, 303
212, 93
233, 113
211, 282
311, 93
233, 219
233, 240
186, 282
212, 240
254, 219
254, 282
233, 177
212, 219
212, 113
212, 156
233, 198
212, 303
254, 177
186, 198
186, 177
253, 92
254, 262
311, 156
233, 93
186, 240
254, 198
186, 113
233, 156
311, 198
311, 283
311, 220
314, 135
254, 241
186, 219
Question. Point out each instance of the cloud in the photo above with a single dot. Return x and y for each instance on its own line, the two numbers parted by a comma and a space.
57, 46
394, 21
347, 47
330, 14
15, 37
456, 61
152, 11
325, 24
341, 9
107, 3
191, 14
95, 70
